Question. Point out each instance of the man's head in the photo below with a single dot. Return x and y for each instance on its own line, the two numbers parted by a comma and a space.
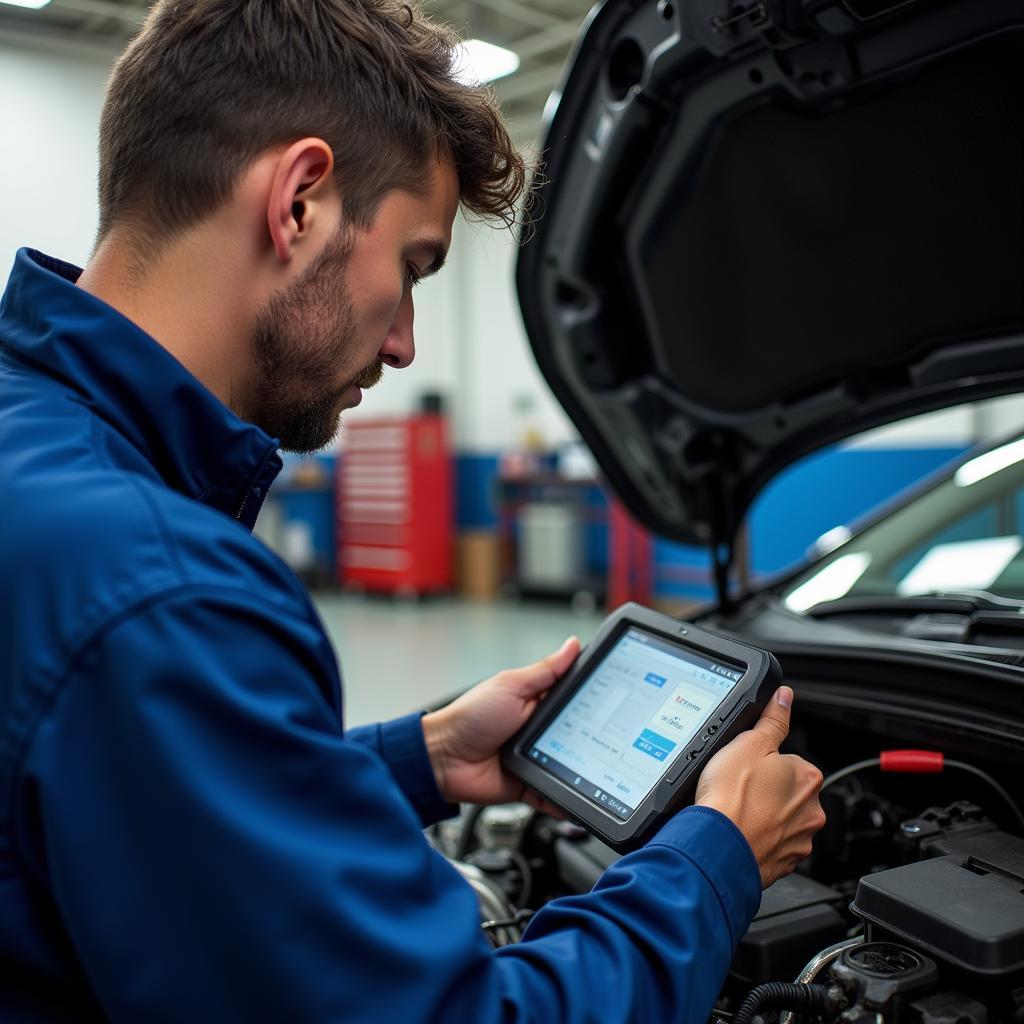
331, 144
330, 331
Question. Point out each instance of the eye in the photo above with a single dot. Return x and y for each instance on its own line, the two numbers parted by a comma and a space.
412, 275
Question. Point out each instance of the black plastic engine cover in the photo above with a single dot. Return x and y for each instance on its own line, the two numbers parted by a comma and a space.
797, 917
966, 908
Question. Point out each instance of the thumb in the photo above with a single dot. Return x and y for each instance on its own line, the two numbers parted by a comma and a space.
533, 680
773, 724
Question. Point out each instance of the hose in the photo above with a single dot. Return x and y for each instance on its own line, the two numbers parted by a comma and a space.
498, 916
824, 958
526, 874
815, 966
785, 995
467, 837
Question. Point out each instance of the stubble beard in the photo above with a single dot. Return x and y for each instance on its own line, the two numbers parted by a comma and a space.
300, 338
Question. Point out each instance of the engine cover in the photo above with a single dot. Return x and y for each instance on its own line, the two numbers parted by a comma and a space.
964, 907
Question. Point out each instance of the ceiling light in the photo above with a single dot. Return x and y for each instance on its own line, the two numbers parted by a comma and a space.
480, 62
991, 462
34, 4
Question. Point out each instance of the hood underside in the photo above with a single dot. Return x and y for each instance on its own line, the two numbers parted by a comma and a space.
764, 227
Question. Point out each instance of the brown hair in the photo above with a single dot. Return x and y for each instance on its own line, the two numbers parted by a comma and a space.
208, 85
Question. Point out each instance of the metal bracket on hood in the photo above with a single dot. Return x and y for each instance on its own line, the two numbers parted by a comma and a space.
725, 26
757, 15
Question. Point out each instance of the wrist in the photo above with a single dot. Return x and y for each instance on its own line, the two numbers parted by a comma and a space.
727, 808
435, 739
731, 810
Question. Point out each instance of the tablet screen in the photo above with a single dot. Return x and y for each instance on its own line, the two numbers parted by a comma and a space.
636, 712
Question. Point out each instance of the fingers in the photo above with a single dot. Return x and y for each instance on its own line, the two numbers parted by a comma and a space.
560, 661
773, 724
536, 801
801, 843
532, 680
807, 821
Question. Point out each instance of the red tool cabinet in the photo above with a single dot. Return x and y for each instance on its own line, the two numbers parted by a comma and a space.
394, 505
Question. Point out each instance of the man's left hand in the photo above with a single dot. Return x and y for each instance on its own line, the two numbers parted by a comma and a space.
465, 738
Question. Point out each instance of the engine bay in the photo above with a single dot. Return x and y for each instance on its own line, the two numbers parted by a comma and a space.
910, 909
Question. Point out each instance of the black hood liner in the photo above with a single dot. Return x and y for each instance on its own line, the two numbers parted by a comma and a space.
746, 249
763, 270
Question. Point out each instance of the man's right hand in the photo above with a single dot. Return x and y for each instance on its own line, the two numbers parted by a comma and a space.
772, 798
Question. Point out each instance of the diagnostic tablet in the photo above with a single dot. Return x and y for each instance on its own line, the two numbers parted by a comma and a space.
621, 740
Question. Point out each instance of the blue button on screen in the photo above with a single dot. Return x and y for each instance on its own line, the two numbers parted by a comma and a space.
656, 680
653, 744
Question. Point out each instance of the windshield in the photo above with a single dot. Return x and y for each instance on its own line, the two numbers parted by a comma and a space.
965, 534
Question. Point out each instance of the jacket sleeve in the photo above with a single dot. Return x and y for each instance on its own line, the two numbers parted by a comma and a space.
403, 747
218, 851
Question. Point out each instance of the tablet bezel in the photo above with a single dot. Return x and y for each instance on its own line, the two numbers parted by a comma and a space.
738, 711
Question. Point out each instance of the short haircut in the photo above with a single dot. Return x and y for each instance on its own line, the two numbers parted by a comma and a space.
208, 85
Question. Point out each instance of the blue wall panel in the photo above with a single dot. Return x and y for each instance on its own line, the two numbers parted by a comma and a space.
681, 571
476, 490
311, 505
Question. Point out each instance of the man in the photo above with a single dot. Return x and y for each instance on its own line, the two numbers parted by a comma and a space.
187, 832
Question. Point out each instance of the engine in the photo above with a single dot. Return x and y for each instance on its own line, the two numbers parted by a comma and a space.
943, 935
931, 933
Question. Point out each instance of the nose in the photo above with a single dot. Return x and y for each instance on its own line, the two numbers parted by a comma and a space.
399, 348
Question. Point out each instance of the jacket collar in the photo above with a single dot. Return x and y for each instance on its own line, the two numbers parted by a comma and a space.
197, 445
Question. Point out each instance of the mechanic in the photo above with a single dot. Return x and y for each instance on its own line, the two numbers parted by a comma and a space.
188, 832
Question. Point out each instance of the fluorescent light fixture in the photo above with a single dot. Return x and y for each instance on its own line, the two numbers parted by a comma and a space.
830, 583
34, 4
480, 62
962, 565
989, 463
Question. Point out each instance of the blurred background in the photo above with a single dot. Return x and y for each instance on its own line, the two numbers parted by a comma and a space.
459, 526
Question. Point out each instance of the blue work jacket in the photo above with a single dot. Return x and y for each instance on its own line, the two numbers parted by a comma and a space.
187, 831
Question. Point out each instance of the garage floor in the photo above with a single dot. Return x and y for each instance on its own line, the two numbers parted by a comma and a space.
398, 656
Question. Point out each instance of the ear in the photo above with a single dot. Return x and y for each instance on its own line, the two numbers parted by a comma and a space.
303, 182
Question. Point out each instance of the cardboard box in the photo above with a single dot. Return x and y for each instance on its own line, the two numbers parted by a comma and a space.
478, 564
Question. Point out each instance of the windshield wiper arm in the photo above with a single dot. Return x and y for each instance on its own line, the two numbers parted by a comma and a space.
957, 602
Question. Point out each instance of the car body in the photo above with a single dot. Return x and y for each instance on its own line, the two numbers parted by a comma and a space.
765, 226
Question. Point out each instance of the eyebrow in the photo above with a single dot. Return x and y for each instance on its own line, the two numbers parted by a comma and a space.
438, 254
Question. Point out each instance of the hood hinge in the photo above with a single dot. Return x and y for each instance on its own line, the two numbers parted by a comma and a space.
722, 540
717, 506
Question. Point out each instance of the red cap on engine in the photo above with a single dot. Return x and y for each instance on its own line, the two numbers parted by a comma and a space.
920, 761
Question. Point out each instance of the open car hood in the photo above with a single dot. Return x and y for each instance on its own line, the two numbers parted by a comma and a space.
765, 226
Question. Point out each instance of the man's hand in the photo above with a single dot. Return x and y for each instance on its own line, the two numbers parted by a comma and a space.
772, 798
465, 738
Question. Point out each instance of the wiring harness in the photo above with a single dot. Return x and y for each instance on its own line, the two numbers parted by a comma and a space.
787, 995
923, 762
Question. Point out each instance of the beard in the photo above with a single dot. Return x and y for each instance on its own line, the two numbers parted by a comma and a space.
301, 338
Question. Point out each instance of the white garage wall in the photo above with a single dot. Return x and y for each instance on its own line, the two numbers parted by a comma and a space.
48, 163
496, 358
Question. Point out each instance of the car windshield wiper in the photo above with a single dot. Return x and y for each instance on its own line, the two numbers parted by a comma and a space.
963, 602
947, 615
